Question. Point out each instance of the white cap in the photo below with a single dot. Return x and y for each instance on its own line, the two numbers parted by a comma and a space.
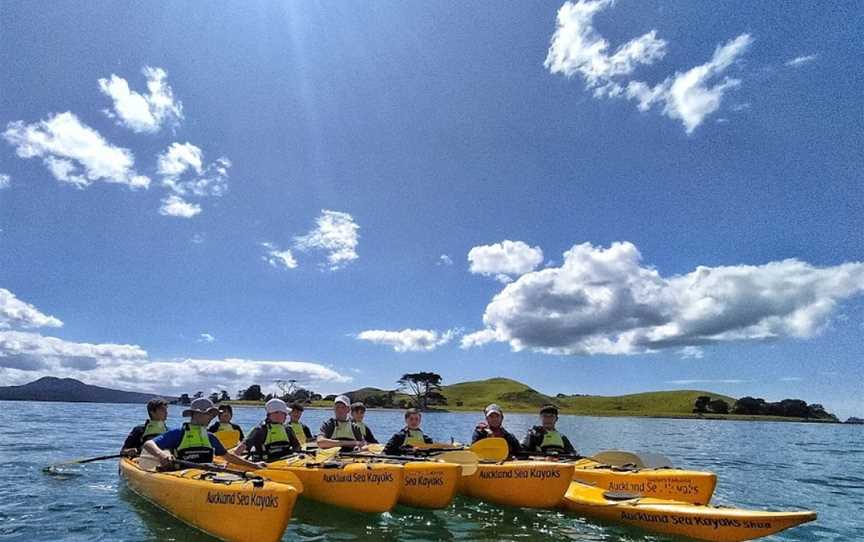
276, 405
493, 408
342, 399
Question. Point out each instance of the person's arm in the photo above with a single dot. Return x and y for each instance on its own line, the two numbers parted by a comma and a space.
308, 433
213, 427
324, 441
230, 457
394, 445
292, 438
369, 437
513, 444
132, 444
250, 443
427, 439
528, 441
159, 447
240, 429
568, 447
479, 434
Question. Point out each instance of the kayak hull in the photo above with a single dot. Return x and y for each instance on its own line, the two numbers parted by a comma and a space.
429, 484
364, 487
525, 484
695, 487
664, 516
230, 509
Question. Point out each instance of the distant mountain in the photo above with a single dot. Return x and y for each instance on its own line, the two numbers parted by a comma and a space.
49, 388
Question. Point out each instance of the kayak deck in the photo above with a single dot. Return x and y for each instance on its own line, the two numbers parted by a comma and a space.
700, 522
224, 506
695, 487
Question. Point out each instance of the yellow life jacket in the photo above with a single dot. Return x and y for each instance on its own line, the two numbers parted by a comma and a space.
552, 442
414, 437
227, 435
195, 445
344, 431
277, 443
297, 427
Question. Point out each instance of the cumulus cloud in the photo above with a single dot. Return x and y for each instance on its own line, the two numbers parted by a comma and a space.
335, 233
695, 94
5, 181
504, 260
605, 301
176, 206
408, 340
444, 259
184, 173
689, 382
691, 352
143, 113
206, 338
577, 48
280, 259
17, 313
801, 60
73, 152
26, 356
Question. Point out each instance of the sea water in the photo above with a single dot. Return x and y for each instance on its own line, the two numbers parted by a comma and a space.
767, 465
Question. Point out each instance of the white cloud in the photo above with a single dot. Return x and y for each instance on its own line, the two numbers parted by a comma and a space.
280, 259
183, 172
17, 313
577, 48
445, 260
409, 340
26, 356
504, 260
801, 60
206, 338
177, 206
687, 96
691, 352
145, 113
604, 301
73, 152
335, 233
5, 181
791, 379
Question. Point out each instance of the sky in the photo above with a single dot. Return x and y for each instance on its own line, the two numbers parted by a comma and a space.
593, 197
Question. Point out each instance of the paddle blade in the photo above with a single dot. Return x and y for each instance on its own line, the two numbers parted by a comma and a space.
618, 458
322, 456
655, 461
229, 439
466, 458
147, 461
281, 476
491, 449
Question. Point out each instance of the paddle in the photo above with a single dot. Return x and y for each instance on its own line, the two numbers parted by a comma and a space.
51, 468
466, 459
491, 449
150, 463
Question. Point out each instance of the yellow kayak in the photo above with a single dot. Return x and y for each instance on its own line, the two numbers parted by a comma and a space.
695, 487
224, 506
527, 484
699, 522
429, 484
365, 487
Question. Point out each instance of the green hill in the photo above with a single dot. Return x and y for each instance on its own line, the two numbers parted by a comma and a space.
509, 394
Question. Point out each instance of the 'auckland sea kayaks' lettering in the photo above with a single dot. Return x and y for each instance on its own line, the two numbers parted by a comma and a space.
252, 500
425, 480
649, 487
536, 473
359, 477
716, 523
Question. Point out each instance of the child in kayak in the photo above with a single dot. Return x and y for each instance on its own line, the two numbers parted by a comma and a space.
545, 438
301, 430
358, 412
157, 413
492, 428
410, 436
224, 424
339, 430
193, 442
272, 439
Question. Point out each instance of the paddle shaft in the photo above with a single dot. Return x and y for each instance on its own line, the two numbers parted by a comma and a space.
214, 468
82, 461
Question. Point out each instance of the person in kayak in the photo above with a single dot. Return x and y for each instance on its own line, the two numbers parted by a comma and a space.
358, 412
411, 435
223, 423
193, 442
272, 439
301, 430
492, 427
545, 438
157, 413
339, 430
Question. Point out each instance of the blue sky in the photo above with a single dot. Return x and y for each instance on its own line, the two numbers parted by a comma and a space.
591, 198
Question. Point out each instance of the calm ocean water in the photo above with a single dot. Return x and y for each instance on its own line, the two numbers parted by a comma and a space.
760, 465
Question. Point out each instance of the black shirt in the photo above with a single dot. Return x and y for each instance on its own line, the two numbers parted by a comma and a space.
395, 445
534, 438
483, 431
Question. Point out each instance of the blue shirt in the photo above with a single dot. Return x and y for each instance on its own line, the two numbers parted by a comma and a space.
172, 439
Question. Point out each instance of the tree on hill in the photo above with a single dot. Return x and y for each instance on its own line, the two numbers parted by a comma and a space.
224, 396
198, 394
252, 393
424, 387
701, 404
718, 406
214, 397
184, 399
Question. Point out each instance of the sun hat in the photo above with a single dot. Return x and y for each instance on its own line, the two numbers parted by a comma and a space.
275, 405
202, 405
493, 408
342, 399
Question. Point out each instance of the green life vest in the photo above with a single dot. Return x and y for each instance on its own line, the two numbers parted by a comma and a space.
414, 438
277, 443
195, 445
343, 431
153, 429
552, 442
297, 427
362, 427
